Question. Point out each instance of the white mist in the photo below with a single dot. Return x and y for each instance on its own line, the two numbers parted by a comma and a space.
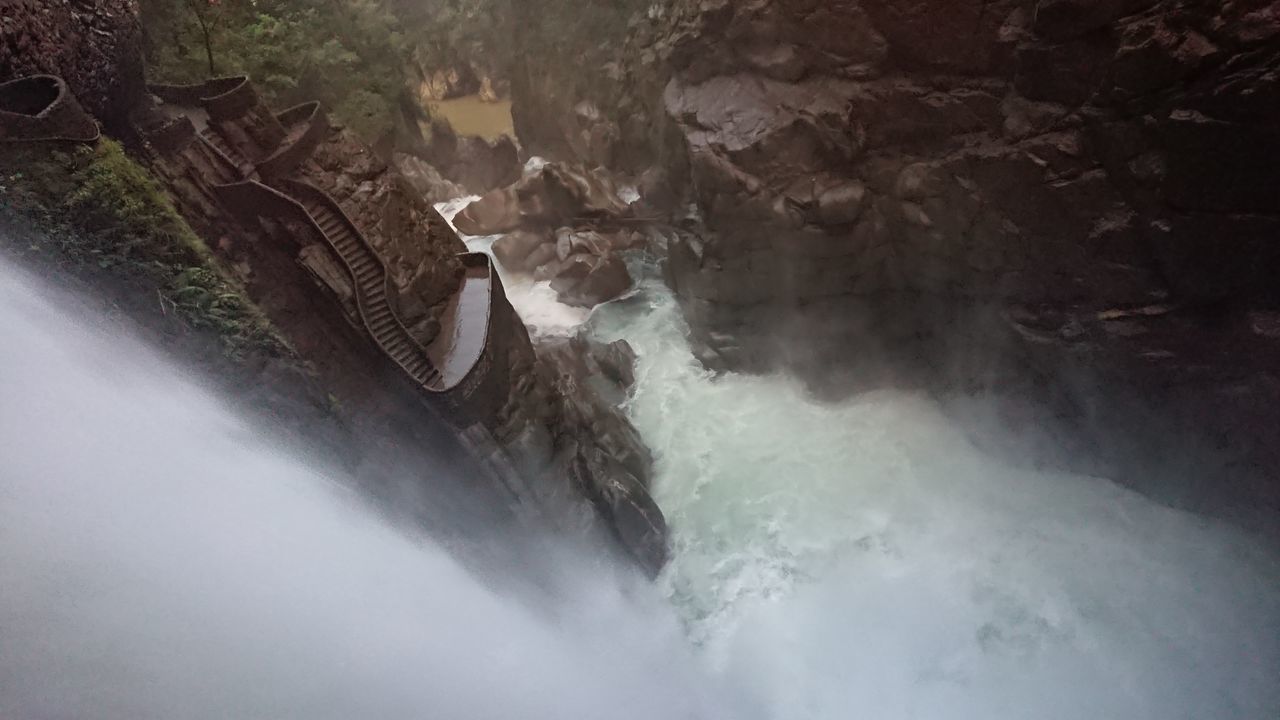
859, 560
863, 560
159, 560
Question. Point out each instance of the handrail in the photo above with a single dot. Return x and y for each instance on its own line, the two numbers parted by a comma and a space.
298, 113
224, 98
233, 103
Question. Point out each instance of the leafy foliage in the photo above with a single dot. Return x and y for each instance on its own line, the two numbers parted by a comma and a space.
100, 211
349, 54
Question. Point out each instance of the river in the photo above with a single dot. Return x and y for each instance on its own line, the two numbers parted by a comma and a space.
160, 557
864, 559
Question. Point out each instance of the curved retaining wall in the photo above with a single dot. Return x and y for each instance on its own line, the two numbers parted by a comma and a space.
233, 103
40, 107
196, 94
292, 154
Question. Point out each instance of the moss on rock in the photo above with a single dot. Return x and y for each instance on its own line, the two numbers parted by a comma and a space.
94, 209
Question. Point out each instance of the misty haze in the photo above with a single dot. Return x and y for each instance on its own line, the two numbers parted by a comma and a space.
669, 359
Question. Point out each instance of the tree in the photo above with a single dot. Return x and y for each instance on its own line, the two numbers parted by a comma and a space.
348, 54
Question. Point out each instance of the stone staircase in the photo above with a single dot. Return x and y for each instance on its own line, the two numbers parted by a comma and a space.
371, 287
216, 141
222, 167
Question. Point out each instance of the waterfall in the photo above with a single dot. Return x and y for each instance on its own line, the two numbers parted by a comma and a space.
160, 557
864, 559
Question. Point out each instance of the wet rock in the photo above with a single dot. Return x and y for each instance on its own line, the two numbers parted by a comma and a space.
780, 62
1217, 165
481, 165
1068, 73
497, 212
1153, 55
917, 182
1053, 153
572, 242
548, 269
584, 281
572, 270
841, 204
656, 191
967, 42
514, 249
630, 509
606, 456
1215, 258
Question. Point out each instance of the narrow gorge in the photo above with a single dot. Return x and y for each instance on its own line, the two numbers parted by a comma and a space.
681, 358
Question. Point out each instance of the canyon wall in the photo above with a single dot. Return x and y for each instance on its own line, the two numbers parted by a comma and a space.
283, 214
1070, 197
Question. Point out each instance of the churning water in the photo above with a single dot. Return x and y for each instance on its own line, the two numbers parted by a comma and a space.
158, 559
864, 560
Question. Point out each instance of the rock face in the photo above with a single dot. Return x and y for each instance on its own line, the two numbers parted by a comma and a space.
565, 426
883, 184
581, 256
93, 46
475, 163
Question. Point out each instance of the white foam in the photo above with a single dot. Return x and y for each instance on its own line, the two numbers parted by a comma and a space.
535, 302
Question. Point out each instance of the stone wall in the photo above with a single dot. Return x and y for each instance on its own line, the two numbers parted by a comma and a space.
94, 46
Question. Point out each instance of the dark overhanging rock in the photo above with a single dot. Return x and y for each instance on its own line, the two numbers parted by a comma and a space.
1070, 156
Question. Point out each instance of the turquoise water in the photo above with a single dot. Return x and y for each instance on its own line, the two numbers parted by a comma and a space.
863, 559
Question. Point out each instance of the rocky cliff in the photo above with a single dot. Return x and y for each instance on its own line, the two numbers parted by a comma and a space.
227, 204
964, 194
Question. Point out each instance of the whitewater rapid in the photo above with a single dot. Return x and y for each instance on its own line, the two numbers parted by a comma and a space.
161, 558
864, 559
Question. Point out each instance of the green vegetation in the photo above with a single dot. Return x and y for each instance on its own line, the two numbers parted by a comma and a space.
349, 54
97, 210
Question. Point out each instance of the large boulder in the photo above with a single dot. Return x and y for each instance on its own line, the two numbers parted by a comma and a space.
553, 195
481, 165
426, 180
586, 281
1066, 19
516, 249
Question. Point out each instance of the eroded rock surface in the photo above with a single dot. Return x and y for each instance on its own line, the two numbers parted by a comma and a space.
564, 225
883, 186
95, 47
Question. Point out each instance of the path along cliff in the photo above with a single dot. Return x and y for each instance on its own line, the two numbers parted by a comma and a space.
405, 333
